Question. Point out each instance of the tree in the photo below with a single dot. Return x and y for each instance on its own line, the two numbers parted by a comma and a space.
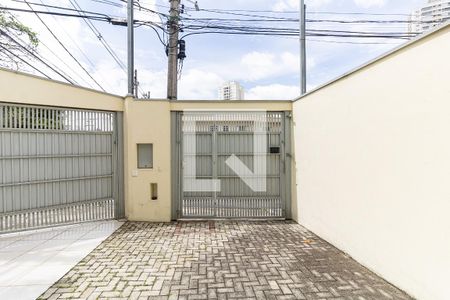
17, 42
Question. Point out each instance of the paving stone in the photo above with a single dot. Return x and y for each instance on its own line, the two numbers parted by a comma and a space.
219, 260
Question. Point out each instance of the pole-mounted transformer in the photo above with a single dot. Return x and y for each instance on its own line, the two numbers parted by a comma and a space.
176, 48
181, 49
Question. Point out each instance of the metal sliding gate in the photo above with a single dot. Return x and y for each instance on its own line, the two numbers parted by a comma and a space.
219, 136
58, 166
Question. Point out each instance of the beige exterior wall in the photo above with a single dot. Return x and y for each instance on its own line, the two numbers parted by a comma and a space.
144, 122
16, 87
147, 122
373, 165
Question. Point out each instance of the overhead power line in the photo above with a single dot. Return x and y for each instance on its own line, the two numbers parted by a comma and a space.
296, 20
368, 28
24, 61
36, 52
244, 30
50, 50
74, 42
225, 11
108, 2
65, 49
29, 52
139, 6
350, 42
93, 17
104, 42
98, 34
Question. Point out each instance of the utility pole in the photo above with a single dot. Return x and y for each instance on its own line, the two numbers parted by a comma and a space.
172, 79
130, 24
302, 47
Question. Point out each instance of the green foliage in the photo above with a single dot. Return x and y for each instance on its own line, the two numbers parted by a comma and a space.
10, 23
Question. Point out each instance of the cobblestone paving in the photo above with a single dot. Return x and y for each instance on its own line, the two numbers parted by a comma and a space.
219, 260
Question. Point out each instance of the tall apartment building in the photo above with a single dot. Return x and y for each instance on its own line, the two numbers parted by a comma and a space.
231, 90
433, 13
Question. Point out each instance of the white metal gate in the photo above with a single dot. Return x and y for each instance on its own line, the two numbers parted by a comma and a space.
217, 137
57, 166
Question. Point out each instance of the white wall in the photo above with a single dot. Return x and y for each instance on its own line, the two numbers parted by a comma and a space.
373, 166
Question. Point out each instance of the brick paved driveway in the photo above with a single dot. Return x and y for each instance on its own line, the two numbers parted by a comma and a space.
219, 260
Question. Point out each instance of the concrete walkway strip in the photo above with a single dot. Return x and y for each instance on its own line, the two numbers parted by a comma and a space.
32, 261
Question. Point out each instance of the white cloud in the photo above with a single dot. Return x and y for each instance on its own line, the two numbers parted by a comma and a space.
143, 14
153, 81
256, 65
203, 82
111, 77
198, 84
273, 92
370, 3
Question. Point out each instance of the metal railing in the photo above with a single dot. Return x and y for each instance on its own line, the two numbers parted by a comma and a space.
57, 166
57, 215
218, 136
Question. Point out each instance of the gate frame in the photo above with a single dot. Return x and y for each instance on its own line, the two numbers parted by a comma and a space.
119, 165
117, 156
177, 174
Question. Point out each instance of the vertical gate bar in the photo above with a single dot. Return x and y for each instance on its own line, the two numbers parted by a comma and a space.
94, 210
32, 118
15, 117
214, 166
20, 117
94, 190
29, 153
10, 117
266, 203
20, 154
11, 170
40, 119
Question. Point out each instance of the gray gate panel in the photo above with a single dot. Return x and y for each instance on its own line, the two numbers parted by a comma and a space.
57, 166
218, 136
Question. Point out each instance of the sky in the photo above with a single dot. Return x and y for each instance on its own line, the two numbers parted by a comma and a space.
267, 67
